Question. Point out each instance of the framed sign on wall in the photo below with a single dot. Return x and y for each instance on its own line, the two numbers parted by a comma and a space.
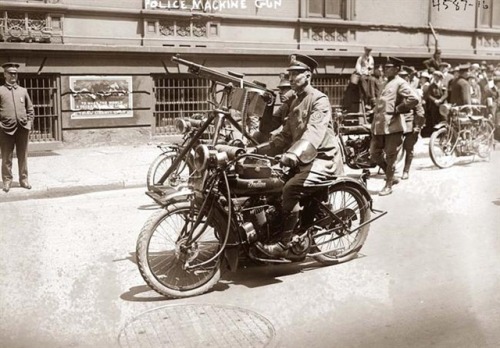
101, 97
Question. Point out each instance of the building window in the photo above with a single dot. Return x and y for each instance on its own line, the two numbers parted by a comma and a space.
328, 8
333, 86
490, 13
178, 96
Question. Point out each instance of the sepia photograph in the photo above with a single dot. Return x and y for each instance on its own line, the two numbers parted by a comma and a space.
249, 173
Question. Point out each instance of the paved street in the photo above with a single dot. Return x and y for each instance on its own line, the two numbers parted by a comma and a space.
427, 276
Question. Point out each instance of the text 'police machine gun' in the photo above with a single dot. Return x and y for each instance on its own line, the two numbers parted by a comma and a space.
238, 99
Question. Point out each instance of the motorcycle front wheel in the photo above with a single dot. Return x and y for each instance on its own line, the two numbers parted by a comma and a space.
166, 252
160, 165
441, 148
345, 240
485, 140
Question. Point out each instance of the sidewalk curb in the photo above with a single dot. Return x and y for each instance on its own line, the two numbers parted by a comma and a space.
55, 192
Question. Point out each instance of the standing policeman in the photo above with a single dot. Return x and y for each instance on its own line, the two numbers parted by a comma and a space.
388, 126
16, 116
310, 146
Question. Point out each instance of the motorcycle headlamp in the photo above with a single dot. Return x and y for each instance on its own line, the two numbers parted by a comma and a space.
206, 157
182, 126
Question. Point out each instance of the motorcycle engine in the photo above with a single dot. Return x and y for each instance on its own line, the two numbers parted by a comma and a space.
358, 153
260, 221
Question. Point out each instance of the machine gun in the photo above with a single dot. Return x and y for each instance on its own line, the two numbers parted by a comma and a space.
235, 79
236, 93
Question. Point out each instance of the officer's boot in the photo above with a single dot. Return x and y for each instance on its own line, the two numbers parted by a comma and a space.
389, 175
280, 249
406, 169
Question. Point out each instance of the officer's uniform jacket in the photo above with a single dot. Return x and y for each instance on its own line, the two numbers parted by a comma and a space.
396, 98
460, 92
310, 119
415, 118
16, 108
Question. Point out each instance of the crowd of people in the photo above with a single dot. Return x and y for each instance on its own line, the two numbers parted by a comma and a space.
472, 83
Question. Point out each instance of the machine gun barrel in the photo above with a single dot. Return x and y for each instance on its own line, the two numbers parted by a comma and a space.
200, 70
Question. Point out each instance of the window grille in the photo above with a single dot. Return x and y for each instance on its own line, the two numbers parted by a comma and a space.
333, 86
43, 92
179, 96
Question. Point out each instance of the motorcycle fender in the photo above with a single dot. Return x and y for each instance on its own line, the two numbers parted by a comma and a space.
232, 257
355, 184
231, 251
175, 197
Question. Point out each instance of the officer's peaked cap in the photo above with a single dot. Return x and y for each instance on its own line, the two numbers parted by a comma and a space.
302, 62
393, 61
10, 67
284, 80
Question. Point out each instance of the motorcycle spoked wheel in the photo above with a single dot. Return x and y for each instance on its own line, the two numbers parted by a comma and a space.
485, 140
352, 207
160, 165
162, 252
441, 148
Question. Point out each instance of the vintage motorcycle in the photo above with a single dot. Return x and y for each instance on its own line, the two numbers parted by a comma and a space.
355, 136
234, 201
465, 133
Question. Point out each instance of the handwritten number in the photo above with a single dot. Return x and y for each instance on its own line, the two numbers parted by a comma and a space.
445, 4
436, 3
457, 6
465, 4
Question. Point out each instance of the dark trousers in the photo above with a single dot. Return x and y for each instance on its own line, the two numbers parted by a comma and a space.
19, 140
410, 139
388, 144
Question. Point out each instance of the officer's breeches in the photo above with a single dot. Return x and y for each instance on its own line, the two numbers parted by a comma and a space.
410, 139
19, 140
388, 144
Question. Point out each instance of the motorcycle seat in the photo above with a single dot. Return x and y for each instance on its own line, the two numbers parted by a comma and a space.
355, 130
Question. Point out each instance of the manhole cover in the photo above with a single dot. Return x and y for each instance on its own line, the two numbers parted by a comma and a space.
197, 326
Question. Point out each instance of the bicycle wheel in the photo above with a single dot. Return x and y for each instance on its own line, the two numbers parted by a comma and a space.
164, 250
160, 165
484, 140
352, 208
441, 148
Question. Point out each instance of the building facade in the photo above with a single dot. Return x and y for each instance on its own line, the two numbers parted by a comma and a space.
100, 70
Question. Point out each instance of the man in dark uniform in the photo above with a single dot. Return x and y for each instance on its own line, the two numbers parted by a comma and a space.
16, 116
460, 88
310, 146
271, 122
396, 99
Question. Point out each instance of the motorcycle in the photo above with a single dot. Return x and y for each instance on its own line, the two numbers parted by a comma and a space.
234, 201
355, 136
462, 134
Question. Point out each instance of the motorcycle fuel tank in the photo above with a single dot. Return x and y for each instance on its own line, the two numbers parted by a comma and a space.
257, 186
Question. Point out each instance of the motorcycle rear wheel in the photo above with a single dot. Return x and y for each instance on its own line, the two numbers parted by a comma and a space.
353, 208
160, 165
441, 148
485, 140
163, 251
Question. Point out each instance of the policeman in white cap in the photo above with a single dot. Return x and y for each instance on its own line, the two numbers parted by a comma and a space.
310, 146
16, 117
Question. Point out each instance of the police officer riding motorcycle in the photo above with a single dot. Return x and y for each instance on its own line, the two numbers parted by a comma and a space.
309, 146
